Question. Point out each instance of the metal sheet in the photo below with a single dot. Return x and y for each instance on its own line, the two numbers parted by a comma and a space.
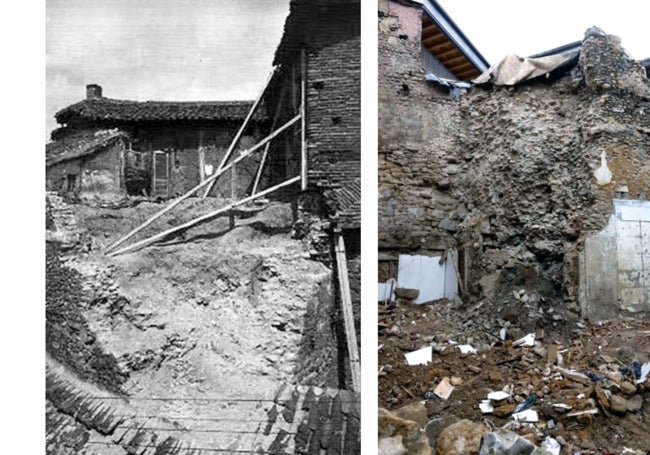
451, 280
631, 210
382, 292
424, 273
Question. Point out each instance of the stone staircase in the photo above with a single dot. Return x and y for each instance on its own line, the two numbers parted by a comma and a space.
299, 420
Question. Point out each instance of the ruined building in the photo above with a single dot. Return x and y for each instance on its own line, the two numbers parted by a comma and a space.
503, 173
232, 324
164, 148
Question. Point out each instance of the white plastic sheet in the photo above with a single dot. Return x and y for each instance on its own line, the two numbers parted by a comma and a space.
419, 357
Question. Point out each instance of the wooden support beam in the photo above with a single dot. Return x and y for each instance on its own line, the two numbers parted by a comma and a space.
468, 74
235, 140
202, 218
348, 314
303, 119
429, 28
460, 68
202, 184
276, 116
454, 61
434, 41
449, 54
437, 49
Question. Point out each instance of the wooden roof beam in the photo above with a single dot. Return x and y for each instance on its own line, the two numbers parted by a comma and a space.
467, 75
441, 48
434, 40
453, 61
449, 54
460, 68
429, 27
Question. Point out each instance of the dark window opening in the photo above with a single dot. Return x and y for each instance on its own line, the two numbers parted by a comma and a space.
71, 183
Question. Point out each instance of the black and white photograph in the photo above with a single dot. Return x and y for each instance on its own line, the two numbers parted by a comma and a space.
202, 177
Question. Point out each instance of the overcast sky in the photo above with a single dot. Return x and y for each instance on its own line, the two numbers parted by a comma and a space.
501, 27
223, 49
159, 49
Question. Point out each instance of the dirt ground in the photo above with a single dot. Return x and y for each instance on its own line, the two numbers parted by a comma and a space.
602, 351
214, 312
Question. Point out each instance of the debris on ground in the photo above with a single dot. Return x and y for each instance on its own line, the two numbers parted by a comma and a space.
562, 388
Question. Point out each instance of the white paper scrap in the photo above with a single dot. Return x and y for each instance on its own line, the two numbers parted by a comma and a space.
551, 445
419, 357
466, 348
486, 407
444, 388
528, 340
528, 415
497, 396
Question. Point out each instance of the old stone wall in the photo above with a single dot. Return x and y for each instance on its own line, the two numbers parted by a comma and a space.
418, 122
531, 150
95, 176
507, 174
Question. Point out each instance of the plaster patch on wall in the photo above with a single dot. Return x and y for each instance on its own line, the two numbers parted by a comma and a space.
617, 263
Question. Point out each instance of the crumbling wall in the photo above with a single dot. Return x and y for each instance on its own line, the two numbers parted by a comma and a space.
507, 174
418, 122
101, 176
530, 153
94, 176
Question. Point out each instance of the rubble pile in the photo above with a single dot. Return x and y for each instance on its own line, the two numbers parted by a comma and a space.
61, 223
577, 389
69, 338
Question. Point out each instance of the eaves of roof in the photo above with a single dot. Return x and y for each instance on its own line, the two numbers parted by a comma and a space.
454, 34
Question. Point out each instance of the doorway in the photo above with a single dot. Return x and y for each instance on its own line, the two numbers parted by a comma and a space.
160, 183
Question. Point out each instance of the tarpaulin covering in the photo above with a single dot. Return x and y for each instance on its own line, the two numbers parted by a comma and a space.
513, 70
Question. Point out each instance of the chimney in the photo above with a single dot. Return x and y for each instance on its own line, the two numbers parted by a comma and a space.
93, 92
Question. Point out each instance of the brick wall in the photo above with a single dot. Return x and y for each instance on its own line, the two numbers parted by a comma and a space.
334, 117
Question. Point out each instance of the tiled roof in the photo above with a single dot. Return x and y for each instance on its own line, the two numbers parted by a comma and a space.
80, 144
113, 110
347, 202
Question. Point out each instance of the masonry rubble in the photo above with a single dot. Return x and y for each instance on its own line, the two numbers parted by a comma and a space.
506, 175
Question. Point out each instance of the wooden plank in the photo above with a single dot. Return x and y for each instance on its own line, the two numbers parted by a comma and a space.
439, 48
276, 116
449, 54
234, 142
469, 74
460, 68
435, 41
348, 314
202, 184
429, 28
233, 183
430, 32
202, 218
454, 61
303, 120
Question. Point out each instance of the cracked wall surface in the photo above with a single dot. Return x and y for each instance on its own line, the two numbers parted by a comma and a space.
506, 174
